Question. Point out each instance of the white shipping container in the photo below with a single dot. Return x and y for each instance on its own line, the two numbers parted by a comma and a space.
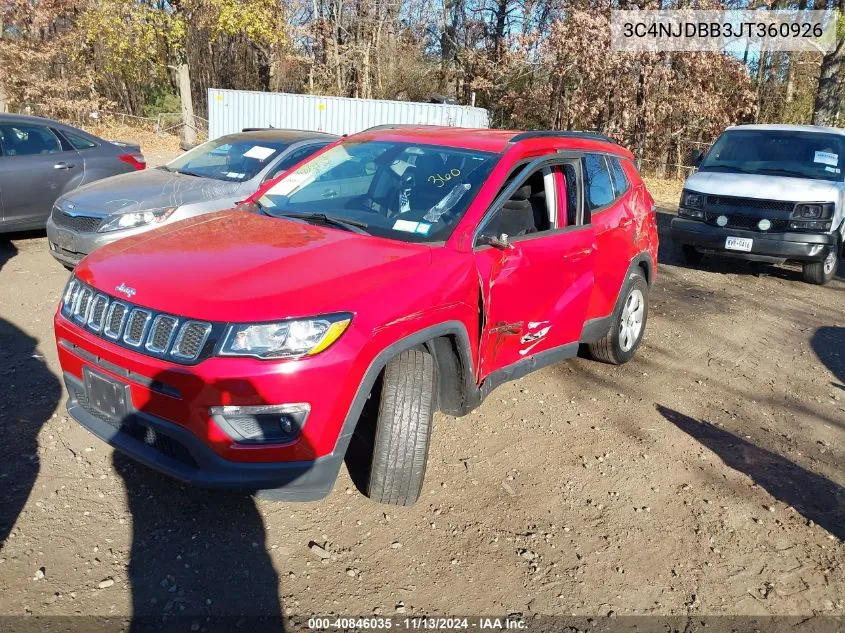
233, 110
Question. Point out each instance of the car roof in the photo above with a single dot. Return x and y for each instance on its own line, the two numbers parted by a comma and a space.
26, 118
275, 134
783, 127
489, 140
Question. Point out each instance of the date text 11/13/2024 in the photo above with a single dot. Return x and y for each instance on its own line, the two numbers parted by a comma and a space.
418, 623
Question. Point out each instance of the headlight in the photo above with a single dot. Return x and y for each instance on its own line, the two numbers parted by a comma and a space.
815, 211
118, 221
301, 337
692, 200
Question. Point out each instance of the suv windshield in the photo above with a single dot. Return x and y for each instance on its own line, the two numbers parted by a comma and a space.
404, 191
778, 153
227, 158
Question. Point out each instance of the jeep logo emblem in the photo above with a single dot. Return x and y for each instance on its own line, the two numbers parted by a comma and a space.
126, 290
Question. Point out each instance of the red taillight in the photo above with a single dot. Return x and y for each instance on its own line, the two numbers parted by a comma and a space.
136, 160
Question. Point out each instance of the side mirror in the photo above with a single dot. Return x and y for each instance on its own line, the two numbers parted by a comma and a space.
695, 157
501, 242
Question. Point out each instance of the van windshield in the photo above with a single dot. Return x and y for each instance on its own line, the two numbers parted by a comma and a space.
798, 153
405, 191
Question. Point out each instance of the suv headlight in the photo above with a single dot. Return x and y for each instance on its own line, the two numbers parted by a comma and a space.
692, 200
813, 211
299, 337
118, 221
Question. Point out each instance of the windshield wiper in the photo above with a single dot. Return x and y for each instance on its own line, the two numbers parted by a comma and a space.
729, 168
785, 172
190, 173
350, 225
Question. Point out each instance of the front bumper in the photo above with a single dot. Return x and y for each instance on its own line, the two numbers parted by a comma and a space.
175, 451
796, 246
69, 247
168, 425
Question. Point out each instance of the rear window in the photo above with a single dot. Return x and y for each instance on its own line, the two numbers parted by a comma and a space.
617, 175
599, 186
78, 141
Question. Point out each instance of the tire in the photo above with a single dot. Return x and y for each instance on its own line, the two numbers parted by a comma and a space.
403, 428
691, 255
820, 273
617, 346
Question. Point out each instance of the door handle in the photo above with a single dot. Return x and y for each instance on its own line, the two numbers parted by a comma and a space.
62, 165
331, 193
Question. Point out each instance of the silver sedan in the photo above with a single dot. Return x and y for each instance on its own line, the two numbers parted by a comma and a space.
211, 177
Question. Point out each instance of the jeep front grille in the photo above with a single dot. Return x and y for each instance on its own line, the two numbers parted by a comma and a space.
143, 330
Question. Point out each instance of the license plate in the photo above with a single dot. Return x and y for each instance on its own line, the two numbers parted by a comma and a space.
108, 396
65, 240
739, 244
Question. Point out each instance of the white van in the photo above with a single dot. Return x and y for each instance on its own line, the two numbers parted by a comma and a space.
768, 192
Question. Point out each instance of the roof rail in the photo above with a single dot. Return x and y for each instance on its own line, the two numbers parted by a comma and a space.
522, 136
396, 126
258, 129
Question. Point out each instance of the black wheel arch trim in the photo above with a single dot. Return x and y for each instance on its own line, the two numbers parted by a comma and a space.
465, 398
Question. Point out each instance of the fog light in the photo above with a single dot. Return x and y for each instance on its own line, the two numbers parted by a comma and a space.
764, 224
722, 220
261, 423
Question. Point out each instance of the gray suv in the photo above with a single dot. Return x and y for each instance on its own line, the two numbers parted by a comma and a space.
211, 177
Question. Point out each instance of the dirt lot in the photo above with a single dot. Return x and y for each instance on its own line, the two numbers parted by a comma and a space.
705, 477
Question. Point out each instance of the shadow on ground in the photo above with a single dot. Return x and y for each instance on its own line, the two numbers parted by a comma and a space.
829, 345
7, 250
198, 558
815, 497
31, 394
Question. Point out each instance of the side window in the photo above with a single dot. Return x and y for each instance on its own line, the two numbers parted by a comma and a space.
527, 210
26, 140
78, 141
292, 159
65, 144
598, 184
617, 176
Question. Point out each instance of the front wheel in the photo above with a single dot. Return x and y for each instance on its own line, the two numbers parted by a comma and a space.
820, 273
403, 428
627, 325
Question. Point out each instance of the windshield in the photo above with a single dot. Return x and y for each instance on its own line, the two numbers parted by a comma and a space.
799, 154
225, 158
404, 191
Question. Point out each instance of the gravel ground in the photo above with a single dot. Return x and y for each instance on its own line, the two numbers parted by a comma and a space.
705, 477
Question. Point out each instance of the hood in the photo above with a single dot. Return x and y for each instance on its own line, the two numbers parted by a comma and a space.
763, 186
238, 266
147, 189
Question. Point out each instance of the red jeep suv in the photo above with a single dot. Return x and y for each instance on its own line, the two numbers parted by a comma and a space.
399, 271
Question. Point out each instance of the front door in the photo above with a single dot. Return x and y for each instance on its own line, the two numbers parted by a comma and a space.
537, 279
